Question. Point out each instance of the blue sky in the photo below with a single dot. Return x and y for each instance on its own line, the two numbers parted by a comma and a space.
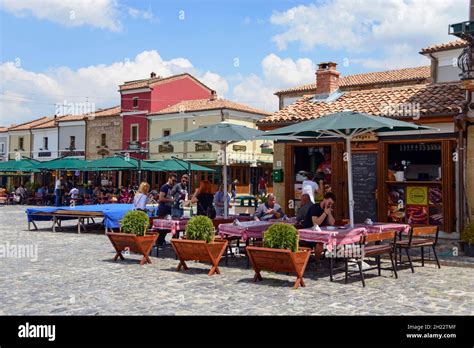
53, 50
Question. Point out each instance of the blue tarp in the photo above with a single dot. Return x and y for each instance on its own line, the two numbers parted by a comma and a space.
113, 213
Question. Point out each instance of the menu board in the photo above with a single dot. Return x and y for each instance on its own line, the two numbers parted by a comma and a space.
364, 178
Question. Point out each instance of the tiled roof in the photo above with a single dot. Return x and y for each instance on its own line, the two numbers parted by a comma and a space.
434, 100
412, 75
49, 124
113, 111
150, 82
207, 104
70, 118
29, 124
451, 45
3, 129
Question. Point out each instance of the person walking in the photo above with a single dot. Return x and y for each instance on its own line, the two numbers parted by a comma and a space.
58, 191
179, 193
219, 201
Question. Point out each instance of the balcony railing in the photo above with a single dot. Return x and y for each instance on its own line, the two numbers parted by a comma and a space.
203, 147
133, 145
44, 154
165, 148
73, 153
240, 148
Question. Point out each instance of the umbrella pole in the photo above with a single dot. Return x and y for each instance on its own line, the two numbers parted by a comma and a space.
224, 149
349, 180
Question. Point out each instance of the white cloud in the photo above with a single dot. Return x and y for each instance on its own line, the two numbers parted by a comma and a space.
392, 31
362, 25
102, 14
26, 95
278, 73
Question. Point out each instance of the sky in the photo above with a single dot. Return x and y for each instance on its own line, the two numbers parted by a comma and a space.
54, 51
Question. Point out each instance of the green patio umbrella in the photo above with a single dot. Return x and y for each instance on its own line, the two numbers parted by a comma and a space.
20, 165
64, 163
222, 134
174, 165
347, 125
113, 163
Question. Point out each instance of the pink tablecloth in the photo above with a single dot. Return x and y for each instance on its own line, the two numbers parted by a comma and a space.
247, 229
379, 227
171, 225
333, 237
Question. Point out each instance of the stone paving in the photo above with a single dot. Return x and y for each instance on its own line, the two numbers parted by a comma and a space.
74, 274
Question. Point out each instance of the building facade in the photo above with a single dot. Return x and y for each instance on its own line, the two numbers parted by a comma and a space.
45, 141
20, 138
142, 97
248, 160
72, 136
104, 133
3, 144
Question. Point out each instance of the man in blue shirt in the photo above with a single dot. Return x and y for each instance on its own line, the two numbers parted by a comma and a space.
269, 210
165, 198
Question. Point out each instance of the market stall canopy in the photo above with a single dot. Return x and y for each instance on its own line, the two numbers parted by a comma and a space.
347, 125
174, 165
65, 163
21, 165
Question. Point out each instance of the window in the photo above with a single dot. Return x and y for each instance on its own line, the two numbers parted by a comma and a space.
72, 142
166, 132
134, 133
21, 143
2, 147
45, 143
103, 139
135, 102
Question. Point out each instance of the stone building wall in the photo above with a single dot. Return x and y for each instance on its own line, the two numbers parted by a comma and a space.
112, 127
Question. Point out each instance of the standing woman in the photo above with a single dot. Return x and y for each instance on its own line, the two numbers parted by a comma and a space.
141, 197
204, 197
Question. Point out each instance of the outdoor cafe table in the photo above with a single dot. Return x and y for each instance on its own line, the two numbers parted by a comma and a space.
173, 225
249, 229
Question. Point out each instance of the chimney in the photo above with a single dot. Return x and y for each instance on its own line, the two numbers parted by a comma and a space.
152, 75
213, 95
327, 78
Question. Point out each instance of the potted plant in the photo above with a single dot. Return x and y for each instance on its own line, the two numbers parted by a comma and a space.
200, 244
280, 253
133, 237
467, 236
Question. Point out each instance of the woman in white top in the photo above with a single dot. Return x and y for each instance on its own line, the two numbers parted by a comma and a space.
310, 187
141, 197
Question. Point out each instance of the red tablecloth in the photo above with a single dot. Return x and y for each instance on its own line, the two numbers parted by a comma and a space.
339, 236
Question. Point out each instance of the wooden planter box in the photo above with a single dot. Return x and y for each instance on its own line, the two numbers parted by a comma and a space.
130, 242
279, 260
199, 250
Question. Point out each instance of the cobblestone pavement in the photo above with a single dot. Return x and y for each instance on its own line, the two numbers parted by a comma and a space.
75, 275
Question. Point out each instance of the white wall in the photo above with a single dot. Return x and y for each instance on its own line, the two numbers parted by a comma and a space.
38, 135
447, 69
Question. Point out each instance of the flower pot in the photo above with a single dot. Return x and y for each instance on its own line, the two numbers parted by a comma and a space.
279, 260
199, 250
132, 243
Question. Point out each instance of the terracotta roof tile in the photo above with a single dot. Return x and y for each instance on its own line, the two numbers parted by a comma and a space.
207, 104
49, 124
433, 100
451, 45
3, 129
409, 75
150, 82
113, 111
29, 124
70, 118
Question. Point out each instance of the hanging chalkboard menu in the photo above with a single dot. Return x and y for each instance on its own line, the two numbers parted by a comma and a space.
364, 178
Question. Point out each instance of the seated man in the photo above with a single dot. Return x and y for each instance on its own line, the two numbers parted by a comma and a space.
305, 204
269, 210
321, 213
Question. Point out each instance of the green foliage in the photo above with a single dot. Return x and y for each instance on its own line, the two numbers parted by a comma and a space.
467, 235
281, 236
135, 222
200, 228
263, 199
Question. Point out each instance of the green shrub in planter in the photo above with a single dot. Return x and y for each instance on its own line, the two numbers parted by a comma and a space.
135, 222
281, 236
200, 228
467, 235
